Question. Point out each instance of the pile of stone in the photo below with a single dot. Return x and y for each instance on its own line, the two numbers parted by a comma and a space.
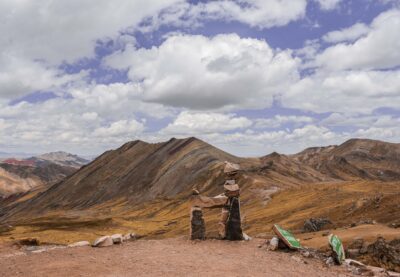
230, 223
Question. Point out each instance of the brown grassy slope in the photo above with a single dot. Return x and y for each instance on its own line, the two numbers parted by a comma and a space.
16, 181
355, 159
13, 184
145, 188
46, 172
125, 187
136, 172
342, 203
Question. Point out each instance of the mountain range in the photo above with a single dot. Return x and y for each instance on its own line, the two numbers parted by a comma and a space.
22, 175
147, 186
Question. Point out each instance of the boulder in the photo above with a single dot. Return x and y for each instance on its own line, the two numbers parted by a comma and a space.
103, 242
79, 244
117, 238
315, 224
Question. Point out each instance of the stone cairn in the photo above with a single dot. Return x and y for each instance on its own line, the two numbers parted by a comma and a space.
230, 220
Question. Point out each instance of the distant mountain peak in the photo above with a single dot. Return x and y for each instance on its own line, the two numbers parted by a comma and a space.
62, 158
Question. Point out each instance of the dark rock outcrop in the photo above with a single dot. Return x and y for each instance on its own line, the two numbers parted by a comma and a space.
315, 224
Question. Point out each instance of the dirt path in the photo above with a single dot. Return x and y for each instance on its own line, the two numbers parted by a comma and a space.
169, 257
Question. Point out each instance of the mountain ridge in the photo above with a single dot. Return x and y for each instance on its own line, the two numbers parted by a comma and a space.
355, 158
149, 184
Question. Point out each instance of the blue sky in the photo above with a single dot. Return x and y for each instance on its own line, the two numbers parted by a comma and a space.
249, 76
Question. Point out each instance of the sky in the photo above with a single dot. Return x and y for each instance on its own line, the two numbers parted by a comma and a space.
248, 76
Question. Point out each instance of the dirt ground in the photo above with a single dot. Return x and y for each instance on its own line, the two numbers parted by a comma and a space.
168, 257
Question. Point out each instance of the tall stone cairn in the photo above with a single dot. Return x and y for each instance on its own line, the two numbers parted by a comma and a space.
234, 224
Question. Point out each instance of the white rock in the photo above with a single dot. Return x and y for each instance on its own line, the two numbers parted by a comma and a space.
103, 242
246, 237
354, 263
117, 238
330, 261
79, 243
273, 244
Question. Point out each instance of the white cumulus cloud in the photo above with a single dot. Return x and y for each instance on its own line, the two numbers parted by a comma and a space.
378, 49
328, 4
120, 128
255, 13
57, 31
192, 123
209, 73
279, 120
347, 34
347, 91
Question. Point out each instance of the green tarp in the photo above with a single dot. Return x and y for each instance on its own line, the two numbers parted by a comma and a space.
286, 237
337, 247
